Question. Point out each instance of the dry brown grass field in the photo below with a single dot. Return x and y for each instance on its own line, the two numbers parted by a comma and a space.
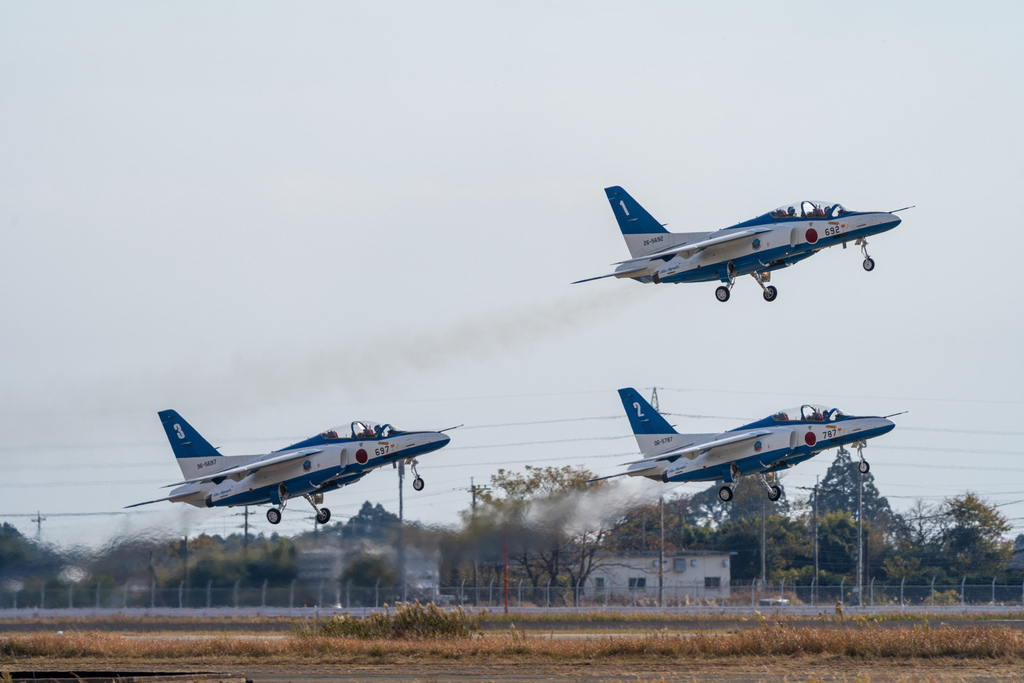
768, 652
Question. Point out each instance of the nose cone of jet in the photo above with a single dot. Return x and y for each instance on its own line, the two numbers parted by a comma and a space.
438, 440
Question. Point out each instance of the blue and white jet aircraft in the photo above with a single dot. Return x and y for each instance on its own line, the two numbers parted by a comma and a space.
756, 247
760, 448
332, 459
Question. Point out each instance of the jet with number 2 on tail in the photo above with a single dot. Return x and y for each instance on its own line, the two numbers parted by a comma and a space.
332, 459
761, 448
775, 240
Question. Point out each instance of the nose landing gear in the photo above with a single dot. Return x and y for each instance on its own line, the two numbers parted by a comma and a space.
869, 263
417, 483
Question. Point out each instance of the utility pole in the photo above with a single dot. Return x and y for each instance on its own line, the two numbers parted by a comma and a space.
401, 529
245, 538
39, 519
860, 543
764, 573
815, 509
661, 557
474, 489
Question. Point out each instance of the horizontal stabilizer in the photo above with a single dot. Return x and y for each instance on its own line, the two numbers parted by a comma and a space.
237, 473
687, 249
624, 474
618, 273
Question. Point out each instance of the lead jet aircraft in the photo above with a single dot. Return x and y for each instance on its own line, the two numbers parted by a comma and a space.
332, 459
756, 247
760, 448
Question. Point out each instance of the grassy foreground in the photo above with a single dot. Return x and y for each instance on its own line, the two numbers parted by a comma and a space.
767, 641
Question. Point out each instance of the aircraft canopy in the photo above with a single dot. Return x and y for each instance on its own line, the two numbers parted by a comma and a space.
360, 429
809, 209
809, 413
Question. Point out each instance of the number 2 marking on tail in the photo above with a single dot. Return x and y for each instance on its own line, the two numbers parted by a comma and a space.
639, 413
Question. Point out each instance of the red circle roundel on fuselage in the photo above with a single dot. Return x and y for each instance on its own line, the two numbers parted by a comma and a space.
810, 438
812, 235
361, 456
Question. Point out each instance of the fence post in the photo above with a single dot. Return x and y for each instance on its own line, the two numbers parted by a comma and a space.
125, 606
782, 591
320, 594
376, 593
519, 600
348, 597
814, 586
42, 595
152, 593
902, 581
234, 594
993, 591
97, 597
872, 592
933, 591
547, 592
578, 581
607, 588
15, 597
71, 596
462, 591
263, 594
752, 604
181, 594
209, 593
962, 592
291, 594
842, 592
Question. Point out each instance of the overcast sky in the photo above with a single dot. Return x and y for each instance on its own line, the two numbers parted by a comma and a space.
275, 218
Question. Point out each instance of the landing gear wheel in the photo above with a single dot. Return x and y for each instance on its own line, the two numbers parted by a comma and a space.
274, 516
725, 493
864, 467
869, 264
722, 294
418, 484
774, 493
323, 516
770, 293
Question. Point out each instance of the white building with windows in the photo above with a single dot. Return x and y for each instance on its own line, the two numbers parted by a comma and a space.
698, 573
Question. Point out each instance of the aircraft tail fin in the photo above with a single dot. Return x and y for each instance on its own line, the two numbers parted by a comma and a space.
643, 234
649, 427
189, 447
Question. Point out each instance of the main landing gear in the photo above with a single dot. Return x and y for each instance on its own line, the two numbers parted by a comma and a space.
417, 483
774, 491
725, 493
770, 292
869, 263
323, 515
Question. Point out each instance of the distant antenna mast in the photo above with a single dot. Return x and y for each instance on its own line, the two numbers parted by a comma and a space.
654, 399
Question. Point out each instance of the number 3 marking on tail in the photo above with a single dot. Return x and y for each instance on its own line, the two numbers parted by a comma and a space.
639, 413
181, 434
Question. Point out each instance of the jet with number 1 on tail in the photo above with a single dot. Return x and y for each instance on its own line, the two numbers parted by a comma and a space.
775, 240
761, 448
334, 458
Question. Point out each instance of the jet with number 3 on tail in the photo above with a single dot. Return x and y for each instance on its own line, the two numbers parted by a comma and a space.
775, 240
761, 448
332, 459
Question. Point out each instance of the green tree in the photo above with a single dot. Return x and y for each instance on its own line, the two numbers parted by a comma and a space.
372, 521
973, 542
838, 491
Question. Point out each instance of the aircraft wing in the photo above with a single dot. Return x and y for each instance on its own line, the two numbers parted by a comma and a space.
654, 466
618, 273
698, 245
704, 446
238, 472
172, 498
